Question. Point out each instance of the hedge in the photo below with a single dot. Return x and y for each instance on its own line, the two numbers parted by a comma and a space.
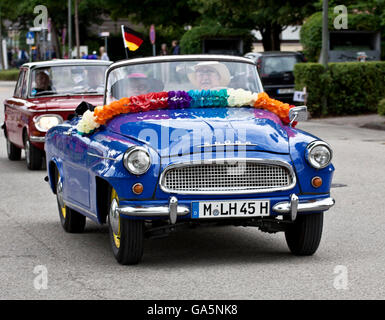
349, 87
191, 42
381, 107
9, 75
311, 30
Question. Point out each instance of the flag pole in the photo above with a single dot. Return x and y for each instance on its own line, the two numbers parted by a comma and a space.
124, 43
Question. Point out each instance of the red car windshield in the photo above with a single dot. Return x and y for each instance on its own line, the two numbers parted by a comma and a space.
61, 80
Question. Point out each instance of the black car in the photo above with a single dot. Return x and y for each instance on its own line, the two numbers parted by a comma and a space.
275, 69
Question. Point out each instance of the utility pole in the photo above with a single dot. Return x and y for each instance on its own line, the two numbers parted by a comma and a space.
69, 29
325, 48
77, 29
1, 44
325, 34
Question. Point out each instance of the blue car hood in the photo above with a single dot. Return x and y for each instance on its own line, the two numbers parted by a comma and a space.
170, 131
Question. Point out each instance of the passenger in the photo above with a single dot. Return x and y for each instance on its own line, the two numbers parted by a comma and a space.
209, 75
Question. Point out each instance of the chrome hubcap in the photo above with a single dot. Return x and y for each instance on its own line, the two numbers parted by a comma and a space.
27, 147
114, 217
59, 192
8, 146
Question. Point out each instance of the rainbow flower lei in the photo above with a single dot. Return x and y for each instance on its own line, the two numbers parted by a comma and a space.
182, 99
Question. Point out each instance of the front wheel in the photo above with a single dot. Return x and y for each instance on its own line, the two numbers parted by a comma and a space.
126, 236
33, 155
304, 235
71, 220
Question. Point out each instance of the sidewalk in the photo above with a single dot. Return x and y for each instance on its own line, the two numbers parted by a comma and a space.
6, 83
369, 121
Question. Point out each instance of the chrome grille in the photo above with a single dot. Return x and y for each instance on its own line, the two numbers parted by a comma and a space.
228, 177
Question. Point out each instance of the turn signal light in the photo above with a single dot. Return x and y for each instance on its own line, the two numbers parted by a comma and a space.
316, 182
137, 188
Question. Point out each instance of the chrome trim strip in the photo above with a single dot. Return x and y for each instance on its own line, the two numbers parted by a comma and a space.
308, 206
229, 160
101, 157
36, 139
159, 211
227, 144
70, 204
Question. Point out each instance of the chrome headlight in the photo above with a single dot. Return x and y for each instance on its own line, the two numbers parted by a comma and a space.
45, 122
137, 160
319, 154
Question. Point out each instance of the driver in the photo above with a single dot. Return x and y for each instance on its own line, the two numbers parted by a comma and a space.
209, 75
42, 82
138, 84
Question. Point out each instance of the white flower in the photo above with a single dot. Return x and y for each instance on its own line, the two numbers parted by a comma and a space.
87, 123
241, 97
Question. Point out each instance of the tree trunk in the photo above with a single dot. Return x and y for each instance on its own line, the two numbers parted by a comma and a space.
77, 29
266, 38
271, 37
275, 37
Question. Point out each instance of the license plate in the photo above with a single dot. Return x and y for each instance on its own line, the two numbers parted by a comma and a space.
284, 91
230, 209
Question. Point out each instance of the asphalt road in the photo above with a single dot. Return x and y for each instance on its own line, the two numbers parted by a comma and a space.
206, 263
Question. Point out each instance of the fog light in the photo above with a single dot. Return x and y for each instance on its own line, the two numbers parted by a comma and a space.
137, 188
316, 182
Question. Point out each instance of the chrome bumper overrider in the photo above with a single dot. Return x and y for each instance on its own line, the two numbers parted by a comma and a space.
36, 139
171, 211
295, 206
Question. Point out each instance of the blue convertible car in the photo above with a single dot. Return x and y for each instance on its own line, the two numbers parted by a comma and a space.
188, 140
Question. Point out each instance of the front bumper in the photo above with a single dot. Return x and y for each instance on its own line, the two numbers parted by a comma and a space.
174, 210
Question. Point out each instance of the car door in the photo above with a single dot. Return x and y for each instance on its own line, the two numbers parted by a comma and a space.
76, 173
12, 111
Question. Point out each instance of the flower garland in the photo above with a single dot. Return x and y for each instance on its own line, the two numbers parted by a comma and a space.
182, 99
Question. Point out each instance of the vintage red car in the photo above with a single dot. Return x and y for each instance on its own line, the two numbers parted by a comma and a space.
46, 94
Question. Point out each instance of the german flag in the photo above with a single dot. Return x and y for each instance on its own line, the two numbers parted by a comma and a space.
132, 39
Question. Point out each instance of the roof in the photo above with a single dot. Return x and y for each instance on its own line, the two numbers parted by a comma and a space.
66, 62
273, 53
187, 57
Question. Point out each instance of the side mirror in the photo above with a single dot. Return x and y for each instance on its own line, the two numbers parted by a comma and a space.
298, 114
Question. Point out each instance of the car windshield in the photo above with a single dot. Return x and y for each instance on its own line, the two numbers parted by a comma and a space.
132, 80
280, 64
59, 80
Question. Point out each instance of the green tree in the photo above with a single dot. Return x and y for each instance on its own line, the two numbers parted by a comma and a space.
21, 12
268, 17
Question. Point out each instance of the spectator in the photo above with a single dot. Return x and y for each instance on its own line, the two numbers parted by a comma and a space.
92, 56
83, 55
175, 47
163, 50
103, 54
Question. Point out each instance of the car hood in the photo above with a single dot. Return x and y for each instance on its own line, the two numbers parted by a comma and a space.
172, 132
61, 103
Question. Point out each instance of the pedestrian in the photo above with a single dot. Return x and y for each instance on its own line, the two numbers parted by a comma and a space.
83, 55
163, 50
103, 54
175, 47
92, 56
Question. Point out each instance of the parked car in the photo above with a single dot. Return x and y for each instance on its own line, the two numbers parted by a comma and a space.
45, 95
275, 69
162, 164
